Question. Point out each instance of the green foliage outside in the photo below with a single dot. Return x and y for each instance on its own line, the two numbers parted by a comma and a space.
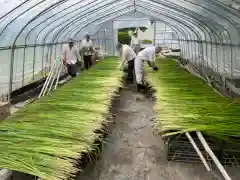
124, 38
147, 41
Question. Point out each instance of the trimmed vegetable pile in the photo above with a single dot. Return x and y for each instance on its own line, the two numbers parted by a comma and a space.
185, 103
47, 137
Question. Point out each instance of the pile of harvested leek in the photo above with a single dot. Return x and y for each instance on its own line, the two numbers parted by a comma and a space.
186, 103
47, 137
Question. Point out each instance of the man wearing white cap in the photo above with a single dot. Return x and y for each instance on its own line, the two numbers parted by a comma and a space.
70, 58
146, 55
87, 50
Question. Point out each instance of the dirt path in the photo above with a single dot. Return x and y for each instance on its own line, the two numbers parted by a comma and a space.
133, 152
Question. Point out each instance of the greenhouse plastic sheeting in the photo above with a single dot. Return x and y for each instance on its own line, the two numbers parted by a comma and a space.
130, 22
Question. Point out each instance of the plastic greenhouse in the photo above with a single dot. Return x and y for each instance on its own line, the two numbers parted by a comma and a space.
34, 32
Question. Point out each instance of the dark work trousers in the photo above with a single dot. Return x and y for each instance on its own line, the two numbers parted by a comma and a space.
131, 70
87, 61
140, 87
72, 69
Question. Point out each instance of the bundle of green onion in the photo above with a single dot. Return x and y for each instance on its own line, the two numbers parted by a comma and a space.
186, 103
47, 137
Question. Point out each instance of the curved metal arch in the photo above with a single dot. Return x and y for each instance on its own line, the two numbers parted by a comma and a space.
55, 14
111, 17
72, 23
233, 11
57, 26
212, 31
14, 9
185, 18
176, 28
36, 17
193, 15
85, 14
190, 13
58, 2
228, 20
14, 42
157, 12
218, 14
27, 10
137, 5
91, 21
80, 28
9, 23
206, 27
195, 47
171, 25
151, 15
46, 36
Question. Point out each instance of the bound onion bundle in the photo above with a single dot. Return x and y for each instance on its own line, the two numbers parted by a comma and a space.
186, 103
47, 137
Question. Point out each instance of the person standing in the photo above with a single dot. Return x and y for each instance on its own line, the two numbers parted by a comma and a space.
70, 58
87, 51
146, 55
128, 55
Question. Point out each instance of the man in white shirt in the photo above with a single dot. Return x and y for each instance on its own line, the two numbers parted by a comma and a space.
87, 51
128, 55
70, 58
146, 55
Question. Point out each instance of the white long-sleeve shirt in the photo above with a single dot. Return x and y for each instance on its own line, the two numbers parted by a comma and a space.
147, 54
87, 45
127, 54
70, 55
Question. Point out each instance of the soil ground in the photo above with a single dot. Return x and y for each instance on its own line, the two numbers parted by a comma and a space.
134, 152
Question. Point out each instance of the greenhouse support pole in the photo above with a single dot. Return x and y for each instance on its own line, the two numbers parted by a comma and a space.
47, 59
154, 32
34, 62
217, 56
113, 36
23, 65
105, 38
55, 53
98, 39
11, 75
195, 50
51, 49
164, 37
214, 158
43, 70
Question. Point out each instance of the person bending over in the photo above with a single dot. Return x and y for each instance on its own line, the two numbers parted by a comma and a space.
128, 55
146, 55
